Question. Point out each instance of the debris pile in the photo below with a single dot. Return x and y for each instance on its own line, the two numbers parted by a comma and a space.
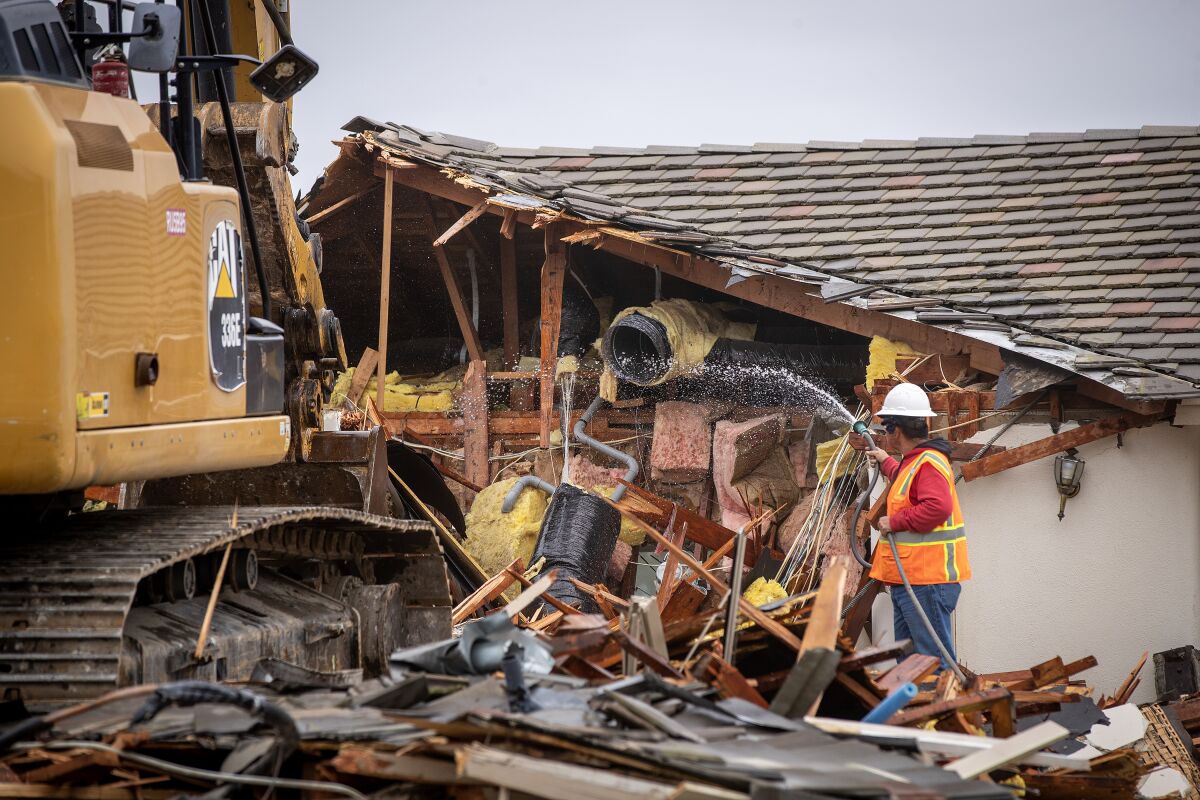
693, 692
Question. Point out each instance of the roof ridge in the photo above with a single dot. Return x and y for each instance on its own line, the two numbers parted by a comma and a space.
1037, 137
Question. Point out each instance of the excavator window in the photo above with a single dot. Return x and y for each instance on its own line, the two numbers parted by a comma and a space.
34, 44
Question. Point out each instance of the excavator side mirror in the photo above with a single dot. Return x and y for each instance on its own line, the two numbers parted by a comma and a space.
284, 74
155, 49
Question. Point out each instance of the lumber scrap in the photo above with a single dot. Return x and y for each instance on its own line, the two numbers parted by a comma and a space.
1129, 685
968, 701
1008, 750
466, 219
557, 779
489, 591
913, 669
362, 373
747, 608
729, 682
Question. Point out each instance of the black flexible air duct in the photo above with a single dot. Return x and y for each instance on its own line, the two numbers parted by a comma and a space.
579, 533
638, 350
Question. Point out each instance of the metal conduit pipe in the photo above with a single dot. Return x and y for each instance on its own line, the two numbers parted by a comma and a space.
510, 499
629, 461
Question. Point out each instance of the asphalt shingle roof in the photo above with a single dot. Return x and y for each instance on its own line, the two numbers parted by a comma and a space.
1090, 239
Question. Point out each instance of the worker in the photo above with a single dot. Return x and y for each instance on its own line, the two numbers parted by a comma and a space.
925, 518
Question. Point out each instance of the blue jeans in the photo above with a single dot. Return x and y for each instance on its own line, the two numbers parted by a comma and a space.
938, 600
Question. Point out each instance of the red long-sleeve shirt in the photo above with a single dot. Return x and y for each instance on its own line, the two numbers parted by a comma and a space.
929, 494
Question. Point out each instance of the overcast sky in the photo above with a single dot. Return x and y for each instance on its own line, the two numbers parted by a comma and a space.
616, 72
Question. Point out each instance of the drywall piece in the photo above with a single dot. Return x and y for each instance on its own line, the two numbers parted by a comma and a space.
1164, 782
1126, 725
942, 742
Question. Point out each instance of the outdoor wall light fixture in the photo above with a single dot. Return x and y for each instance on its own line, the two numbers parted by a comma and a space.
1068, 473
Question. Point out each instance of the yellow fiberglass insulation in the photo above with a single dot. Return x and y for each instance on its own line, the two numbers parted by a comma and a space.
494, 538
763, 591
692, 329
630, 533
825, 452
883, 355
430, 394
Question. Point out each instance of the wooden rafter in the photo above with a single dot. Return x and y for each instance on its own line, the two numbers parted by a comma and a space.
1049, 446
469, 334
466, 219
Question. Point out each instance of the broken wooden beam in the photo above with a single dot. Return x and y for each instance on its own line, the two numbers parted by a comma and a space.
466, 219
362, 373
461, 313
489, 591
1058, 443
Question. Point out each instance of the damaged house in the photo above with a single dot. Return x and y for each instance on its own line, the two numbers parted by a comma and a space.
691, 307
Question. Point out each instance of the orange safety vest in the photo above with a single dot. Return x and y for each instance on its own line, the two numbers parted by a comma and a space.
939, 556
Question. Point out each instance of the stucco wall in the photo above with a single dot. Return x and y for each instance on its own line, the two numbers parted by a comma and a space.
1120, 574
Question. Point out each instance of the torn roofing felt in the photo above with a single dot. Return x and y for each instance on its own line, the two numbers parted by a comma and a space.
1079, 250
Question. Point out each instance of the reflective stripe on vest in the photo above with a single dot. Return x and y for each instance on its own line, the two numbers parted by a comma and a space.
939, 556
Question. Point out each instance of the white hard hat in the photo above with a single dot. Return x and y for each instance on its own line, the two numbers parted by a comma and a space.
906, 400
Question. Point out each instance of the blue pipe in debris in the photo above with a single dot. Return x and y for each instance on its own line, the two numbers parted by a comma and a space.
901, 696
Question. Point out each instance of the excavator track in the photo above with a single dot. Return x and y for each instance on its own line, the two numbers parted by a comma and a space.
66, 596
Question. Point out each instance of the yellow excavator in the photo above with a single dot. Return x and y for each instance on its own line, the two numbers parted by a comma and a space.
165, 333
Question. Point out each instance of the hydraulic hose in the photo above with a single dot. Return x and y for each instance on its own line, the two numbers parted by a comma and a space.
861, 429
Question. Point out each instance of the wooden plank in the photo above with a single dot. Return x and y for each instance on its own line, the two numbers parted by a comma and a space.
1008, 750
744, 606
466, 219
385, 289
715, 670
340, 204
826, 617
913, 670
873, 655
539, 587
555, 779
554, 271
461, 313
970, 701
362, 374
475, 423
1042, 448
489, 591
1125, 690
